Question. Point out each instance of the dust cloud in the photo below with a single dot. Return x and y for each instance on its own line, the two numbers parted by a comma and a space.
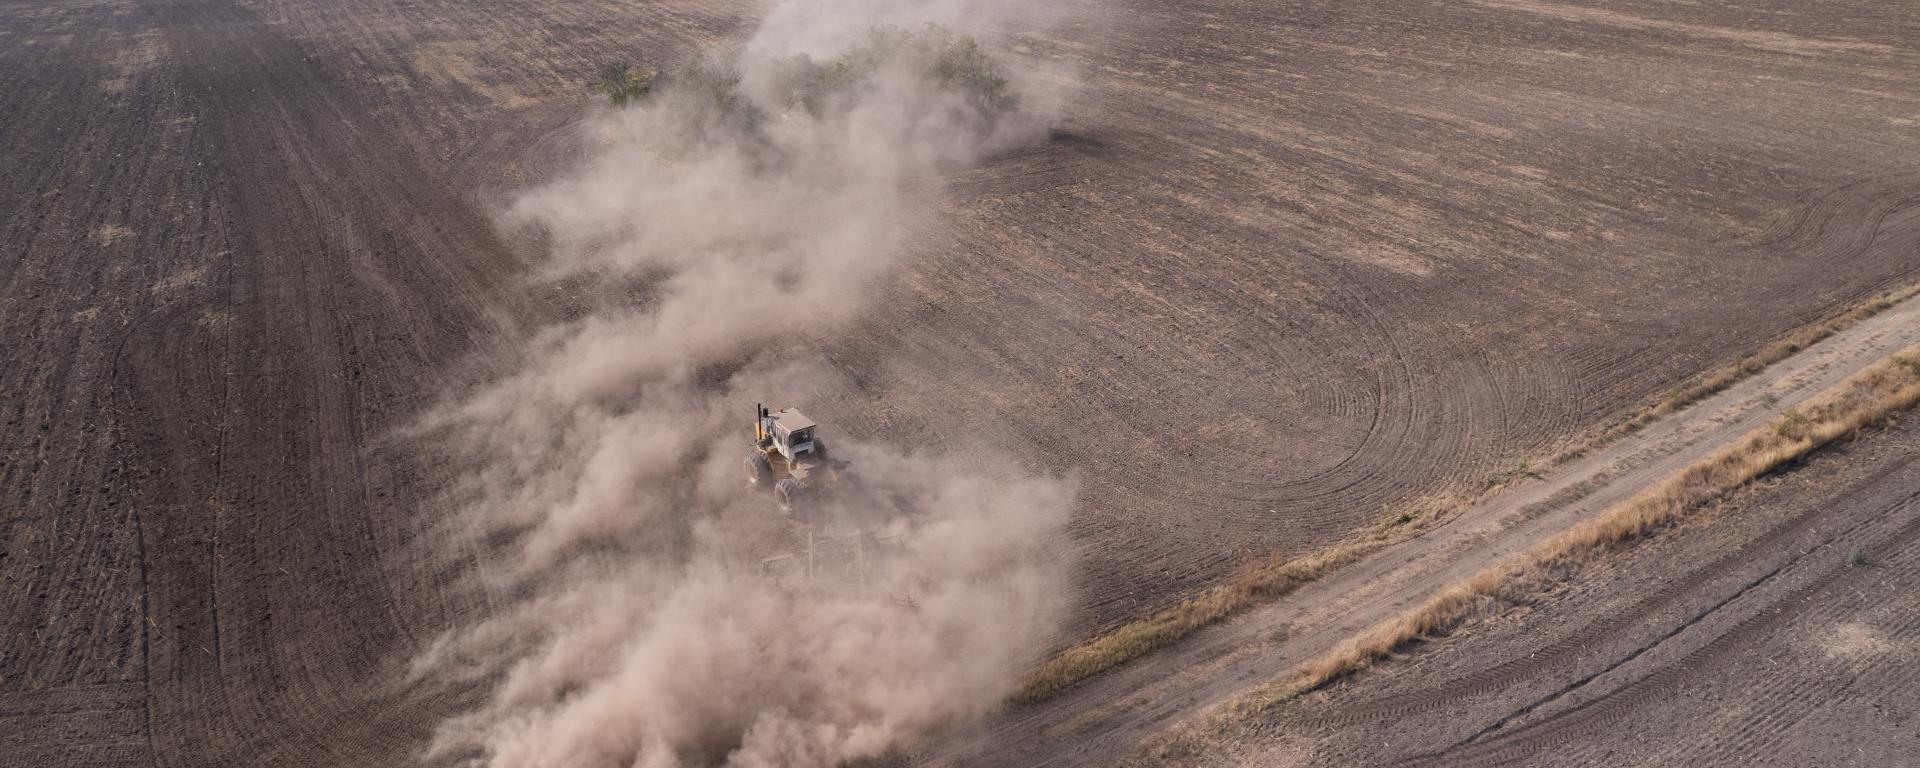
736, 216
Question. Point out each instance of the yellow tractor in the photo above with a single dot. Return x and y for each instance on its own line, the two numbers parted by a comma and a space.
789, 458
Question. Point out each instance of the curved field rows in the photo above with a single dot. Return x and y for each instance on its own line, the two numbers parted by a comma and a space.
1289, 263
1106, 718
1281, 264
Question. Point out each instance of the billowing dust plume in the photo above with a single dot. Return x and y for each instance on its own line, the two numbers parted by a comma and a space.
716, 231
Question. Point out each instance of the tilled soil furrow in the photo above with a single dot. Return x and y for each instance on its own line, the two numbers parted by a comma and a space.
1579, 645
1284, 267
1763, 579
1591, 716
1789, 696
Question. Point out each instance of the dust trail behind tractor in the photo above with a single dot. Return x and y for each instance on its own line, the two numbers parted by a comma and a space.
852, 563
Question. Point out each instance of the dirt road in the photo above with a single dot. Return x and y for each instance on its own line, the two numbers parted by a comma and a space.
1103, 720
1282, 263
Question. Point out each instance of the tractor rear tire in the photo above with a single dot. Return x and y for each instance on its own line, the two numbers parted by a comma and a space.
787, 493
759, 471
820, 449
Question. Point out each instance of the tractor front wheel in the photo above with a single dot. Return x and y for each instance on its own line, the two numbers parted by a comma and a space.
759, 471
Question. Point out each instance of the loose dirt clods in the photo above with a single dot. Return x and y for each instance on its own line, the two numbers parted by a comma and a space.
190, 275
108, 234
1855, 641
218, 321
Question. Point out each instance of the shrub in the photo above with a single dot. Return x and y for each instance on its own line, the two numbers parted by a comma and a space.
952, 63
622, 84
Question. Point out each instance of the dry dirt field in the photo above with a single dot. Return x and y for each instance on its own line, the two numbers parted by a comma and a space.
1283, 263
1781, 630
1164, 703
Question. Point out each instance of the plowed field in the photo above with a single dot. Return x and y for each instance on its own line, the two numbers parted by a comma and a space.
1781, 632
1281, 264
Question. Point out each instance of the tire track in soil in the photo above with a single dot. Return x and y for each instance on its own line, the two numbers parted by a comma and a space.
1099, 720
1493, 732
1241, 245
78, 260
1565, 652
1785, 696
1759, 734
1841, 221
279, 609
1220, 209
1789, 696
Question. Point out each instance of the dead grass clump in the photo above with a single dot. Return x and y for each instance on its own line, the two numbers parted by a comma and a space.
108, 234
1260, 581
217, 321
1870, 396
1138, 638
1438, 616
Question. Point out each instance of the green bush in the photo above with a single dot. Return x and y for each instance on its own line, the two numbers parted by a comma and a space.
622, 84
952, 63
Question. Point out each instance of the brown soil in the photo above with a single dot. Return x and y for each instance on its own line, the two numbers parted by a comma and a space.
1107, 718
1782, 631
233, 259
1291, 262
1284, 263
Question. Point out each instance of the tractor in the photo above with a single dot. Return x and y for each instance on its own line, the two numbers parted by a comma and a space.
788, 458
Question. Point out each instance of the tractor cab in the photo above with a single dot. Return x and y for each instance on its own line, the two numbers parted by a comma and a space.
787, 431
787, 457
792, 433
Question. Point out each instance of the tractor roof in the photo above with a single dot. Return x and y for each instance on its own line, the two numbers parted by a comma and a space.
792, 420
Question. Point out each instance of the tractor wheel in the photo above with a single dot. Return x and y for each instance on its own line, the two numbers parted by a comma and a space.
820, 449
759, 472
787, 493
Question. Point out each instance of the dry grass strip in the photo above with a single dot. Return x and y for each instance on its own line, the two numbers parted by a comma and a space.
1866, 398
1256, 582
1263, 581
1276, 576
